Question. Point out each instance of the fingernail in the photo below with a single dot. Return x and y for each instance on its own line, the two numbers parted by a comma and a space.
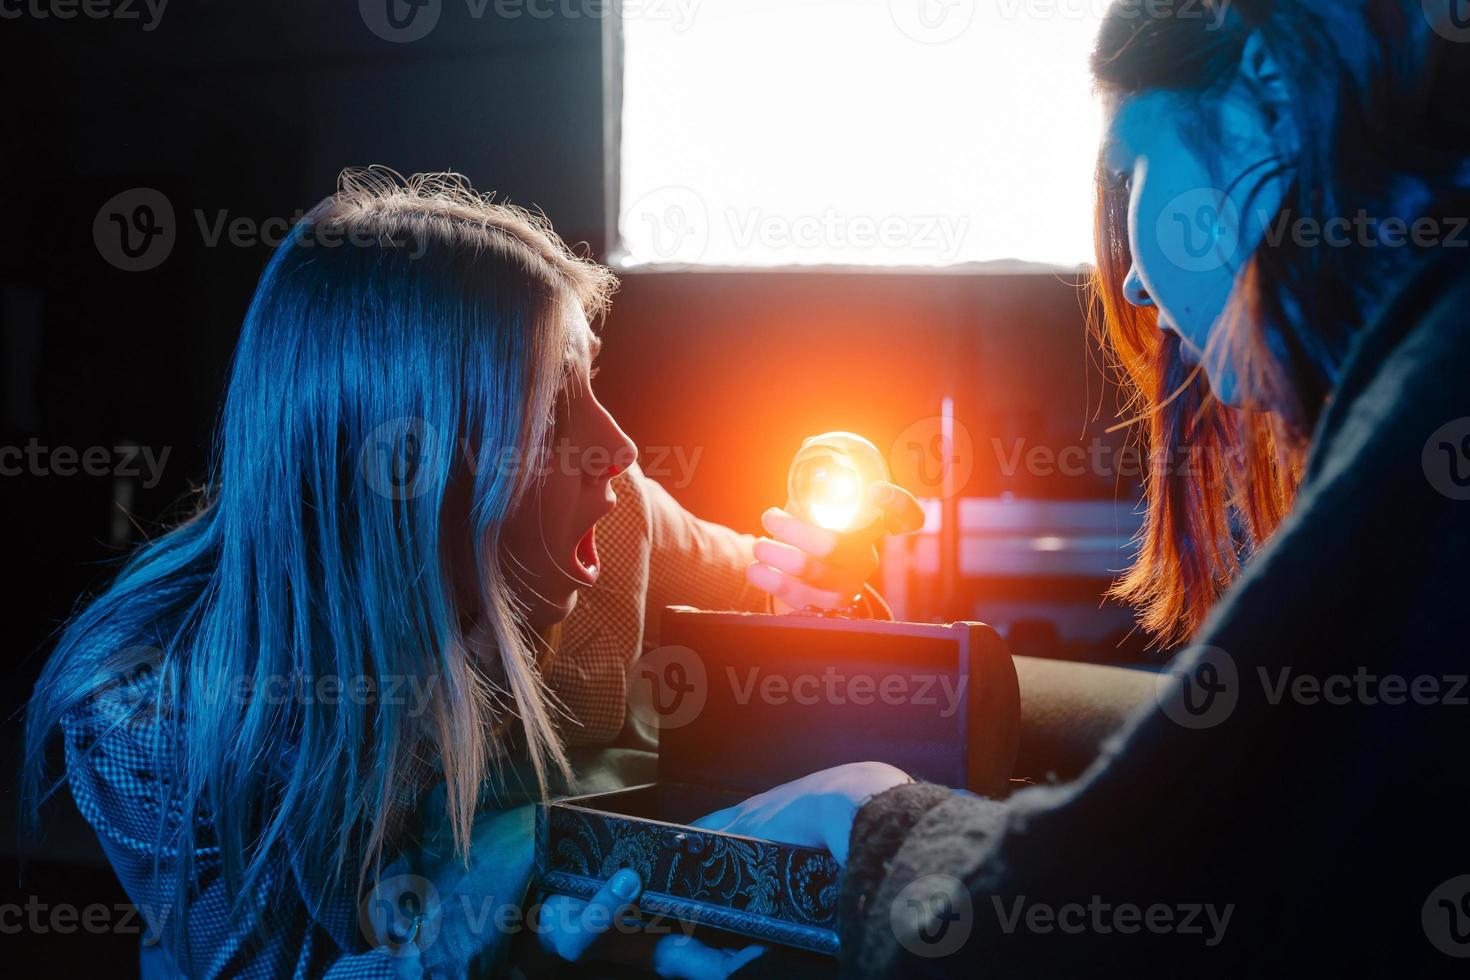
882, 493
625, 883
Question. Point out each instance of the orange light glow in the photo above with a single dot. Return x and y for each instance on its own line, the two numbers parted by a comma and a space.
836, 496
829, 480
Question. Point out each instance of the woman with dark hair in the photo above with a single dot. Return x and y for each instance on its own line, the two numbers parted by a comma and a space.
1284, 281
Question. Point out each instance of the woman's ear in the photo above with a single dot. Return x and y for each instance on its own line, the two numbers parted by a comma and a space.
1263, 79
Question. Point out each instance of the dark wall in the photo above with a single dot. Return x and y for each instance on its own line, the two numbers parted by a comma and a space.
232, 111
739, 368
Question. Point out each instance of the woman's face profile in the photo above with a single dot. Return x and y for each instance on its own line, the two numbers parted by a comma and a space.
1194, 217
549, 547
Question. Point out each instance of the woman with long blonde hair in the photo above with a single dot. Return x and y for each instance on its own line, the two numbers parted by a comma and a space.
366, 646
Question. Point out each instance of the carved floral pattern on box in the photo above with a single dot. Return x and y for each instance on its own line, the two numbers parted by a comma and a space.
748, 877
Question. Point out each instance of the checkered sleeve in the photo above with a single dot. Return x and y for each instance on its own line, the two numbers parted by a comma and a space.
654, 553
603, 633
120, 766
695, 563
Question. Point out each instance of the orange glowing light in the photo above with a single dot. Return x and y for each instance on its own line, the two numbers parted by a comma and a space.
829, 480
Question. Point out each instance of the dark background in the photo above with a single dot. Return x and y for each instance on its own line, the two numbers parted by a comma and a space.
251, 109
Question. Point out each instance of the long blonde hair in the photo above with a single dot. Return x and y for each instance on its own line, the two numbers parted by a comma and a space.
407, 334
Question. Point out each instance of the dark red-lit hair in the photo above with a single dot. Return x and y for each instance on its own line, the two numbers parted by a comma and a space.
1378, 100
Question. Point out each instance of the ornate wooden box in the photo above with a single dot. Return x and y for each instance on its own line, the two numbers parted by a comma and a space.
744, 702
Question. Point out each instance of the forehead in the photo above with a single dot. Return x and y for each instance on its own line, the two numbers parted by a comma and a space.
1141, 121
582, 343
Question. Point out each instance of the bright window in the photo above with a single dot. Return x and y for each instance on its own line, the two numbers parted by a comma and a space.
857, 132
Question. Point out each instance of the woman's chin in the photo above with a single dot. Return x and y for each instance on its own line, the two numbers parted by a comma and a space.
1229, 394
1225, 385
546, 613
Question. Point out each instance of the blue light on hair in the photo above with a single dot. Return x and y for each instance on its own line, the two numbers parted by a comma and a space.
406, 329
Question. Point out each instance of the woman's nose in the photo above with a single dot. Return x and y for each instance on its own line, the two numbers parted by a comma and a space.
624, 451
1133, 288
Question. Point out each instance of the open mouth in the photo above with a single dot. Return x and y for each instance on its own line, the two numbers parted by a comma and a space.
584, 558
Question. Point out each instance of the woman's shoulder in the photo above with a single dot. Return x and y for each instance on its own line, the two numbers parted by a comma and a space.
128, 707
122, 754
1404, 379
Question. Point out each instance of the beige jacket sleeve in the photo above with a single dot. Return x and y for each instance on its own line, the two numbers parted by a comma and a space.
654, 553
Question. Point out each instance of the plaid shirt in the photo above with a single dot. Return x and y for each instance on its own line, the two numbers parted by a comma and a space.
654, 554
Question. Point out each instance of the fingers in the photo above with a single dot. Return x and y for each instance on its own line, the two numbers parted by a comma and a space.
784, 557
597, 915
815, 541
809, 566
902, 512
736, 958
844, 574
686, 958
718, 820
793, 591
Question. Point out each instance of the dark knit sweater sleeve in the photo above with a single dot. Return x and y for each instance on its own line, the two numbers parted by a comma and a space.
898, 839
1301, 815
